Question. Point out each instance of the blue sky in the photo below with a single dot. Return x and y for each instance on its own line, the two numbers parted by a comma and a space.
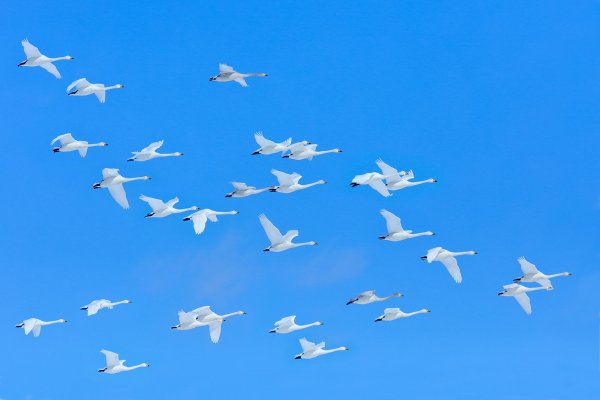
497, 100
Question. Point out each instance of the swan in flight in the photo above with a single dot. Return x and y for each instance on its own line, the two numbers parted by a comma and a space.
312, 350
395, 231
227, 74
278, 241
447, 258
113, 181
37, 59
301, 151
270, 147
68, 143
149, 152
399, 179
390, 314
199, 218
97, 305
288, 325
35, 325
161, 210
84, 88
369, 297
243, 190
531, 274
519, 292
375, 180
114, 365
288, 183
204, 316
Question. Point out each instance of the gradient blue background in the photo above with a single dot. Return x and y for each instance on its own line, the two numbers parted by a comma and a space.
497, 100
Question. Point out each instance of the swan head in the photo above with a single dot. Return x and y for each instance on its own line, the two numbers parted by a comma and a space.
398, 294
430, 233
103, 144
128, 301
242, 312
62, 321
320, 323
119, 86
345, 348
145, 365
69, 58
146, 178
235, 212
262, 74
178, 153
196, 208
473, 252
313, 243
338, 150
321, 182
567, 274
305, 142
433, 180
425, 310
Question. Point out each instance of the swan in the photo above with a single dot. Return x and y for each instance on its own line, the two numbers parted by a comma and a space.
278, 241
375, 180
84, 88
399, 179
369, 297
205, 316
243, 190
161, 210
187, 321
114, 365
199, 218
35, 325
300, 151
97, 305
68, 143
37, 59
390, 314
519, 292
532, 274
447, 258
288, 325
149, 152
288, 183
268, 146
312, 350
395, 231
113, 181
227, 74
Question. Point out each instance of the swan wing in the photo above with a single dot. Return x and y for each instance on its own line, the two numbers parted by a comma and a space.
544, 282
524, 302
186, 318
29, 325
263, 141
388, 170
83, 151
112, 359
391, 311
452, 267
118, 193
527, 267
307, 346
152, 147
101, 94
511, 286
202, 312
271, 230
392, 221
225, 68
155, 204
214, 329
172, 202
240, 186
110, 173
380, 187
37, 329
366, 293
285, 179
290, 235
241, 81
297, 148
30, 50
410, 175
433, 253
199, 220
79, 83
48, 66
287, 321
93, 308
64, 139
212, 217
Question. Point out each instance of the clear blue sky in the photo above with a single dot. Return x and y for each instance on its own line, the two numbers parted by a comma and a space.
497, 100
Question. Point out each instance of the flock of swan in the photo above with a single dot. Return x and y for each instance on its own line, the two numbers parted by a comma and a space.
384, 181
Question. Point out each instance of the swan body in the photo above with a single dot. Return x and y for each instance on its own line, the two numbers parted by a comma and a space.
115, 366
97, 305
243, 190
199, 218
369, 296
37, 59
68, 143
301, 151
399, 179
533, 275
268, 146
390, 314
289, 183
149, 152
395, 231
519, 292
84, 88
313, 350
35, 325
113, 181
278, 241
447, 258
373, 179
161, 209
227, 74
288, 325
204, 316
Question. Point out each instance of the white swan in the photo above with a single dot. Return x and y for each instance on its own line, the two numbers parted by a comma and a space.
395, 231
205, 316
288, 325
373, 179
289, 183
84, 88
268, 146
149, 152
301, 151
278, 241
68, 143
447, 259
113, 181
532, 274
519, 292
37, 59
114, 365
161, 210
369, 296
227, 74
35, 325
390, 314
243, 190
199, 218
399, 179
97, 305
312, 350
187, 321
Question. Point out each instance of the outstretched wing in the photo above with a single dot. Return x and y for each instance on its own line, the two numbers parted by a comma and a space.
307, 346
215, 331
118, 193
64, 139
93, 308
452, 267
152, 147
109, 173
83, 151
202, 312
286, 179
524, 302
240, 186
155, 204
100, 94
271, 230
392, 222
290, 235
544, 282
30, 50
388, 170
80, 83
286, 321
433, 253
241, 81
199, 220
380, 187
263, 141
186, 318
526, 266
225, 68
48, 66
112, 359
366, 293
29, 325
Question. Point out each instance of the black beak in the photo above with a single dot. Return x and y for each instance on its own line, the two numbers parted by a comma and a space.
73, 92
266, 250
382, 237
354, 184
500, 294
19, 326
286, 156
186, 218
379, 319
350, 302
255, 153
228, 195
148, 215
273, 331
297, 357
130, 159
56, 149
424, 258
272, 190
83, 308
96, 186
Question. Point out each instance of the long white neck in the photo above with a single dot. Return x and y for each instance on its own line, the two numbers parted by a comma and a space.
528, 289
112, 87
253, 74
225, 212
462, 253
413, 183
560, 274
232, 314
100, 144
116, 303
58, 321
386, 297
321, 182
308, 325
303, 244
333, 350
260, 190
428, 233
416, 312
167, 154
180, 210
139, 178
60, 58
134, 367
326, 151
